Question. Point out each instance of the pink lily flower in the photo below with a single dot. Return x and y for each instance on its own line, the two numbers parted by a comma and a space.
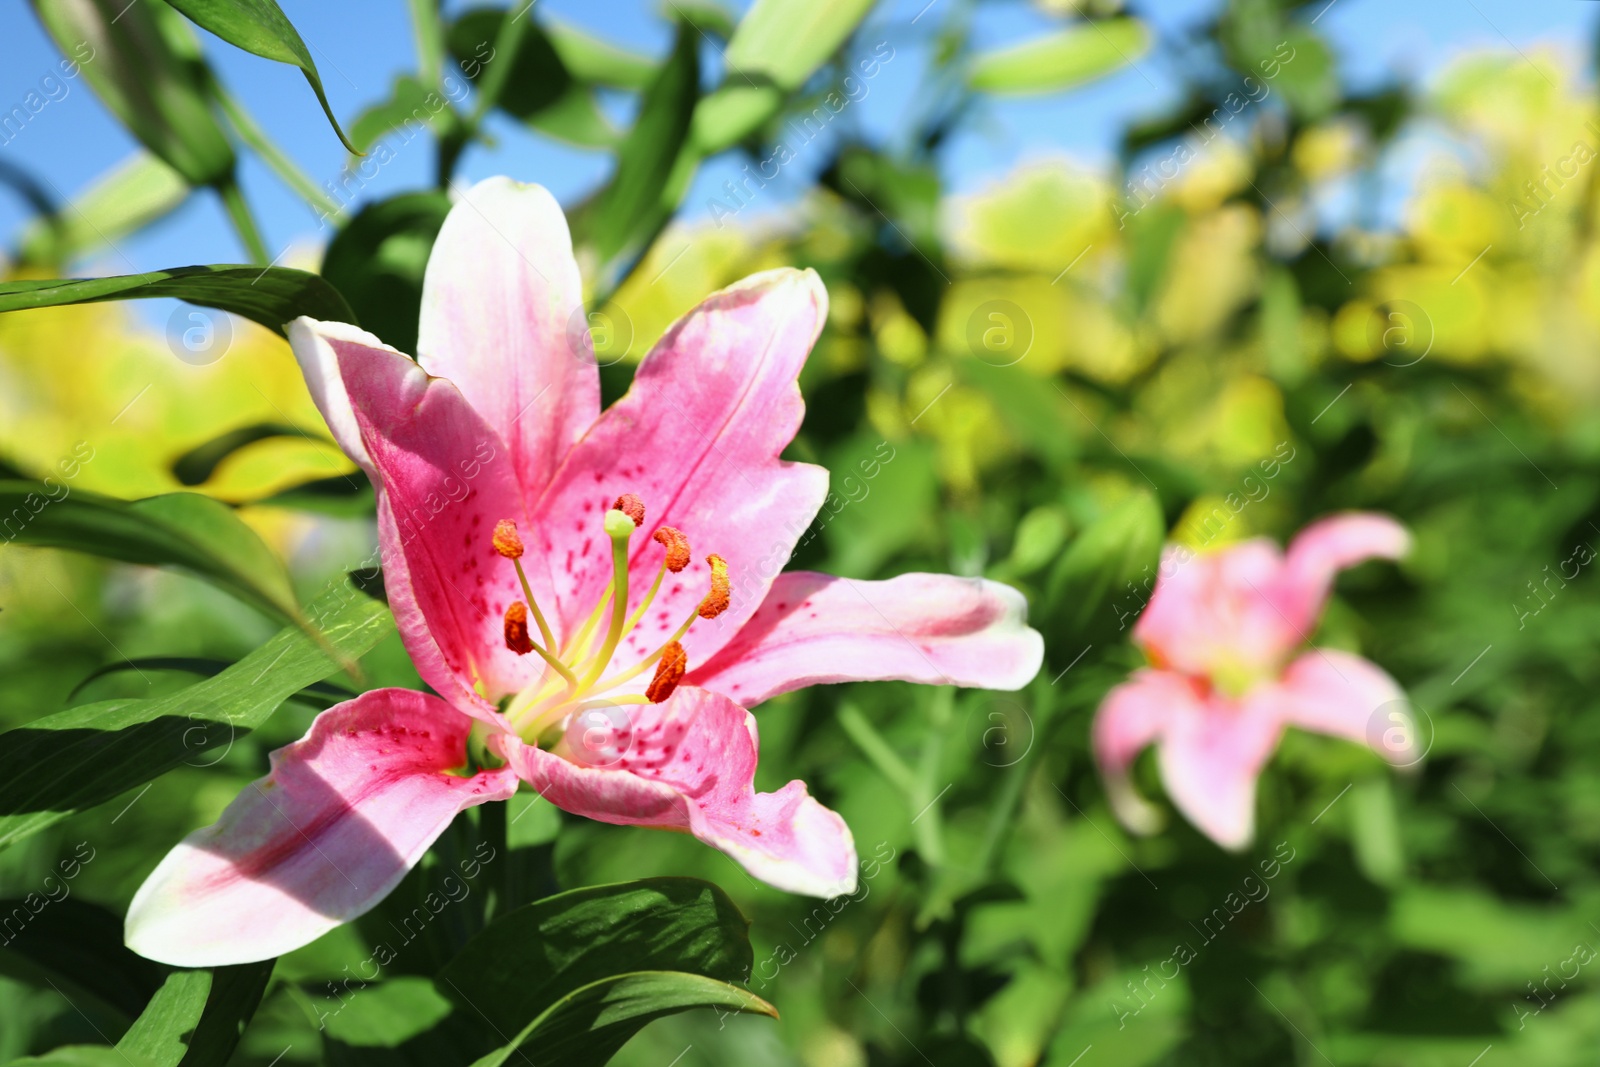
540, 560
1221, 631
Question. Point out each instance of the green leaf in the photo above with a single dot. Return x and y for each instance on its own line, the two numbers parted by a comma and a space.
591, 1024
197, 1017
516, 973
407, 103
320, 694
83, 1056
199, 463
74, 946
186, 530
271, 296
596, 62
628, 213
144, 63
378, 260
78, 758
775, 49
1089, 585
540, 90
1061, 60
260, 28
133, 194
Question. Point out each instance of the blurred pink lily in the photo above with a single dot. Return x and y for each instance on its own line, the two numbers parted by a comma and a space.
566, 625
1221, 631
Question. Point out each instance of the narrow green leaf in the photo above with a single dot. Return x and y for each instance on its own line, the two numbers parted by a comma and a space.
597, 62
83, 1056
590, 1025
74, 946
524, 962
130, 196
199, 463
186, 530
378, 258
410, 106
144, 63
271, 296
260, 28
1061, 60
631, 209
78, 758
321, 694
1090, 583
197, 1017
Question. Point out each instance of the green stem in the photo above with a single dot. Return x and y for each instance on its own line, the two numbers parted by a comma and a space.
243, 222
251, 133
876, 749
498, 70
430, 41
928, 827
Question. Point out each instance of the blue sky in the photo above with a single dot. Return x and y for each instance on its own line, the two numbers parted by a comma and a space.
361, 45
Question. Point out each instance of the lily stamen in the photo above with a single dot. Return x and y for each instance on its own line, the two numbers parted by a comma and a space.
508, 543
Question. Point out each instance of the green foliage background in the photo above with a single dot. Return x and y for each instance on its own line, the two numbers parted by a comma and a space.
1039, 383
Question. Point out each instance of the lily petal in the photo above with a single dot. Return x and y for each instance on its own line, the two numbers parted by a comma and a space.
344, 814
1326, 547
697, 437
1132, 717
689, 764
502, 318
930, 628
1220, 613
1211, 754
1344, 695
443, 479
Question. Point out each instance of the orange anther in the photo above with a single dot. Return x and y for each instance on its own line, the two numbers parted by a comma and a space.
630, 506
669, 672
506, 541
517, 639
716, 601
677, 546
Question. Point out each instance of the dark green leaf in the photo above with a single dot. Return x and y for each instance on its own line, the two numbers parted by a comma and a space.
378, 259
186, 530
522, 965
327, 496
144, 63
321, 694
75, 759
75, 946
1089, 585
633, 207
200, 463
590, 1025
271, 296
261, 28
196, 1017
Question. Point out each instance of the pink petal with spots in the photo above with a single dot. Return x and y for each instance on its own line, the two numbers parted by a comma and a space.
1323, 549
690, 764
1220, 612
697, 437
930, 628
443, 478
502, 318
1342, 695
1211, 754
344, 814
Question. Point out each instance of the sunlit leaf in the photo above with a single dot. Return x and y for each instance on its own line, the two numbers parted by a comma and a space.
272, 296
78, 758
1063, 59
130, 196
261, 28
196, 1017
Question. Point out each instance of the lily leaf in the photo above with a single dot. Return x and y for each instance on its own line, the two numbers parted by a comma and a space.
76, 947
378, 258
186, 530
130, 196
589, 967
197, 465
145, 64
591, 1024
322, 694
1089, 586
75, 759
272, 296
261, 28
1062, 60
197, 1017
596, 62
